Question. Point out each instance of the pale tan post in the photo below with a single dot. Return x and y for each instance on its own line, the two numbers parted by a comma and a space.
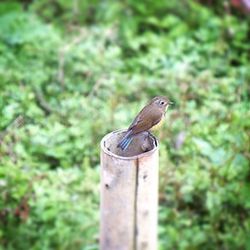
129, 193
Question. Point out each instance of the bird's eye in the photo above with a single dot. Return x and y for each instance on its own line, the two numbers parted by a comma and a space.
162, 102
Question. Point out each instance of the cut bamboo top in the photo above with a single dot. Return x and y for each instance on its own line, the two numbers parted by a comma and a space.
142, 145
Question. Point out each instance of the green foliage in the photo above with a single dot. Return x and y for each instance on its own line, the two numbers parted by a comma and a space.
76, 72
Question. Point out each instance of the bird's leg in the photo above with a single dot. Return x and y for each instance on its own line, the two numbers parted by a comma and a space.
148, 135
145, 145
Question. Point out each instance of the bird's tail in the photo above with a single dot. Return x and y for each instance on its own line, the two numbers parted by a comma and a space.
126, 140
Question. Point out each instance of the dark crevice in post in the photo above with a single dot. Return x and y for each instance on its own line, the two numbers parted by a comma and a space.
135, 205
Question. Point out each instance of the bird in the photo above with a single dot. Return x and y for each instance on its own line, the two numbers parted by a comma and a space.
150, 116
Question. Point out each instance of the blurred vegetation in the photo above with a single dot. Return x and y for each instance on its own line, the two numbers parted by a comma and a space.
76, 70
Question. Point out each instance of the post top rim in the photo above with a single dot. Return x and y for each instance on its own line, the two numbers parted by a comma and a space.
105, 150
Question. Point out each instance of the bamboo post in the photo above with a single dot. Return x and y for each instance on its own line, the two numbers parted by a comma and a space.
129, 193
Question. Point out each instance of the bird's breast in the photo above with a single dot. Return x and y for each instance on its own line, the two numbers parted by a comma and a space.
159, 124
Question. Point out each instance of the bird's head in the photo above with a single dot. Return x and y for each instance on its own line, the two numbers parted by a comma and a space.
162, 102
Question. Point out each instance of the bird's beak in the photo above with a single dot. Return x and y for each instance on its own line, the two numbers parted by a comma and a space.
170, 103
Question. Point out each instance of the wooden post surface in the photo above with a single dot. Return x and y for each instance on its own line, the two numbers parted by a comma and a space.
129, 193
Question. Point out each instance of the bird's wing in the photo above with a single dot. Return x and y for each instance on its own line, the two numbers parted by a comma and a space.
146, 119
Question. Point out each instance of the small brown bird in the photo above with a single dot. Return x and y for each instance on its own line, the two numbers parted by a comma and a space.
148, 117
